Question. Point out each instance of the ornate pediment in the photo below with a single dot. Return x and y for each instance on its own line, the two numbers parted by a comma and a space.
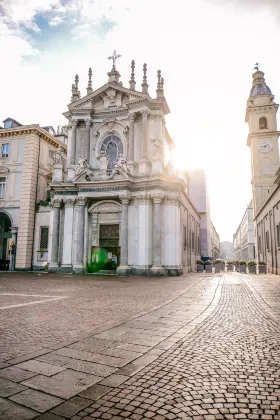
110, 95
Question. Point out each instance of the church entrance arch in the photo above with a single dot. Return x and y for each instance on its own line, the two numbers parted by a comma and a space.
104, 236
5, 235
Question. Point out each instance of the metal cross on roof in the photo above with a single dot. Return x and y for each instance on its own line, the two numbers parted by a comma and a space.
114, 57
257, 66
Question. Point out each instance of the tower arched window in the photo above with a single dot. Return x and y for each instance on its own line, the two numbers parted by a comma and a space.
262, 123
113, 146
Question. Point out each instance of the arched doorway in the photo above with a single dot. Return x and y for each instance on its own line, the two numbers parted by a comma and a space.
5, 235
104, 235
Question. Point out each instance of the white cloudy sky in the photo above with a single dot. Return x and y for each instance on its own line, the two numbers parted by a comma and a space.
205, 48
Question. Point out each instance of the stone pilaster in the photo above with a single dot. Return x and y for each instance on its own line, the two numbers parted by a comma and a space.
73, 142
130, 159
72, 159
144, 164
80, 234
157, 268
87, 145
55, 235
124, 269
67, 235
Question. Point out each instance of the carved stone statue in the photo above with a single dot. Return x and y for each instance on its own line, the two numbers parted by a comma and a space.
156, 148
82, 164
121, 166
103, 162
58, 156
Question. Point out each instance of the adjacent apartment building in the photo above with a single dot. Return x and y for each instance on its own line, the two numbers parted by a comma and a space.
26, 153
243, 239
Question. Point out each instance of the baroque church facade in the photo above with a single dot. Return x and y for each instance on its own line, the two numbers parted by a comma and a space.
118, 202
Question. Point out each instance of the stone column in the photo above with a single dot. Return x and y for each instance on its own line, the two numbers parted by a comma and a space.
55, 235
67, 235
130, 159
79, 255
144, 165
124, 269
73, 142
157, 268
87, 145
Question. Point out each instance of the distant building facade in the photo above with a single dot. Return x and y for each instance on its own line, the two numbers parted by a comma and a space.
198, 191
215, 243
25, 171
243, 239
227, 251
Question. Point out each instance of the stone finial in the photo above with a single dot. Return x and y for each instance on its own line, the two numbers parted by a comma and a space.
76, 82
75, 89
145, 85
73, 93
162, 85
159, 88
89, 86
132, 82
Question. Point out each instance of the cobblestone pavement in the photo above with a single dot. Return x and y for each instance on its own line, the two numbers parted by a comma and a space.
82, 306
209, 352
228, 367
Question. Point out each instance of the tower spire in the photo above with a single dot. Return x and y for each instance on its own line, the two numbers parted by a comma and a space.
132, 82
162, 85
145, 85
89, 86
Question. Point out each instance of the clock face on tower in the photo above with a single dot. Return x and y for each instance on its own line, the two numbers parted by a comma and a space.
265, 146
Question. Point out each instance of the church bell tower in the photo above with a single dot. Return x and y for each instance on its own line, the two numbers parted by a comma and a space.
262, 139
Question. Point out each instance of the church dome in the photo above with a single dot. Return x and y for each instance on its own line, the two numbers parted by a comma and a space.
260, 89
259, 86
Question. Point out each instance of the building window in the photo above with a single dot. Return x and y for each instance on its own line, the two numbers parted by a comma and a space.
185, 237
262, 123
44, 238
267, 240
113, 146
51, 153
5, 150
2, 188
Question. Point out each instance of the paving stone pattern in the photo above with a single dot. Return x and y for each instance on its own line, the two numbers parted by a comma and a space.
226, 368
210, 352
61, 381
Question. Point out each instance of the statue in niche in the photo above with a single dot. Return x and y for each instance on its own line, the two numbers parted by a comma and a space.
103, 162
156, 148
58, 156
